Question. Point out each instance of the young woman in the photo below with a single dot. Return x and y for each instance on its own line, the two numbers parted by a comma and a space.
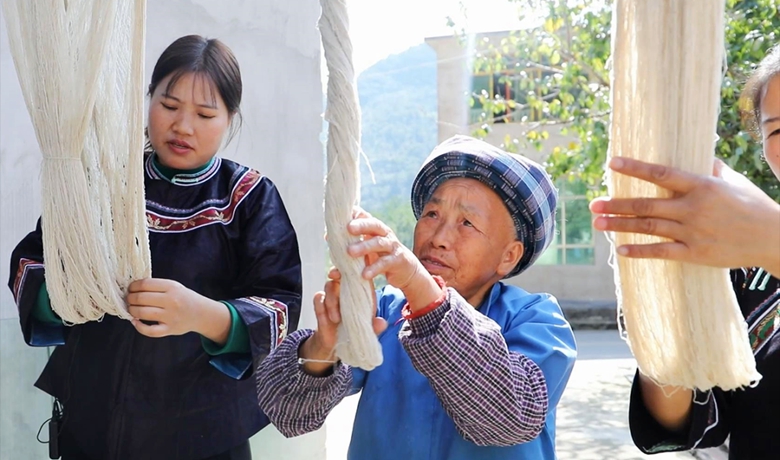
226, 288
725, 221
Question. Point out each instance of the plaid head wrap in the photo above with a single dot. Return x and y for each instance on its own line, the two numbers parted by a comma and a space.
523, 185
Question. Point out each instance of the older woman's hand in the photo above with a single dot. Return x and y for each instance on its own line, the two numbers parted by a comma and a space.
386, 255
722, 220
319, 349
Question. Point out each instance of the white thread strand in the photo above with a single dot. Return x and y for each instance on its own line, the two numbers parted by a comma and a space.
82, 81
682, 321
357, 344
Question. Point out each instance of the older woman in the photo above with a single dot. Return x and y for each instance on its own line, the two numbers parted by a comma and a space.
473, 368
725, 221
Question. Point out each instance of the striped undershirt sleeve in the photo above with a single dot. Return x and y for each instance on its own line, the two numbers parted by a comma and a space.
495, 396
296, 402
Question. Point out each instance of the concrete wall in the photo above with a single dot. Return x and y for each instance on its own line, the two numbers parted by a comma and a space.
592, 283
277, 45
453, 85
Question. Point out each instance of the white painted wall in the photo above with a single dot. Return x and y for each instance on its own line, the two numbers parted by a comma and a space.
277, 45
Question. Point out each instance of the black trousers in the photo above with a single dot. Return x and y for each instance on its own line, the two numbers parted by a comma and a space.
240, 452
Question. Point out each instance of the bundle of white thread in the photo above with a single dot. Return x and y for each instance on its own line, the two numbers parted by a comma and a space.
682, 321
82, 81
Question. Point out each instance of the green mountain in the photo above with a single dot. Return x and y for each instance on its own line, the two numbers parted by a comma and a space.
399, 113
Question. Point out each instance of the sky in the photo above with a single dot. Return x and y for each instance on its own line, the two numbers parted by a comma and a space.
381, 28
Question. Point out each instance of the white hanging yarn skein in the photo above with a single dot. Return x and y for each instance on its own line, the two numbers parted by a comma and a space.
118, 128
82, 81
357, 345
682, 321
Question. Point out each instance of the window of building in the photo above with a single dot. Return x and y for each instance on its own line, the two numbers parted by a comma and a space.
503, 87
574, 242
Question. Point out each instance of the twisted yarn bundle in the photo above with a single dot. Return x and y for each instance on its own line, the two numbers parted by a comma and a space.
357, 345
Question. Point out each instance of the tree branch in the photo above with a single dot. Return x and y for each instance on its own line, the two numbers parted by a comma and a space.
536, 124
588, 69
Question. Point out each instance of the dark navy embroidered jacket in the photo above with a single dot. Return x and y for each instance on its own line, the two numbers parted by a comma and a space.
224, 233
743, 416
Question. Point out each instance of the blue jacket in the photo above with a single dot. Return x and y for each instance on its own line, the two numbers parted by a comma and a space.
399, 415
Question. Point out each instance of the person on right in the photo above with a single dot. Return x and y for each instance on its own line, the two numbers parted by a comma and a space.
726, 221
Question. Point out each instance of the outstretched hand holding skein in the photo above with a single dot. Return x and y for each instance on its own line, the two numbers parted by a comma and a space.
722, 220
319, 349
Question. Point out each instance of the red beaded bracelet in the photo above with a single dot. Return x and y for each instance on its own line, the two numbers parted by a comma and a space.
406, 311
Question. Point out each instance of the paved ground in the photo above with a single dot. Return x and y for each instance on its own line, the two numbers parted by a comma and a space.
592, 415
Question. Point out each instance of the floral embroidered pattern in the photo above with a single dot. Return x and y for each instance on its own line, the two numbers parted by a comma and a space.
767, 324
278, 312
25, 265
211, 215
764, 320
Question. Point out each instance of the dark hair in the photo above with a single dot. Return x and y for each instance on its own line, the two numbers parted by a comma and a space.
750, 99
208, 58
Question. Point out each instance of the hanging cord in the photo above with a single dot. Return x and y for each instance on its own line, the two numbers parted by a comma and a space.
55, 427
357, 344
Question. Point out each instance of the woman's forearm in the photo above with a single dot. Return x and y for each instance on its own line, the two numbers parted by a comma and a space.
213, 321
670, 406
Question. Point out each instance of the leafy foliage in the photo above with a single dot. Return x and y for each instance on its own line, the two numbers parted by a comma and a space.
559, 69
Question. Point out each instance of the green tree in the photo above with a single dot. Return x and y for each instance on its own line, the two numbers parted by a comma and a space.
560, 68
398, 107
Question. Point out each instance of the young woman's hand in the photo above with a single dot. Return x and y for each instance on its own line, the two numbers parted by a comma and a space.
162, 307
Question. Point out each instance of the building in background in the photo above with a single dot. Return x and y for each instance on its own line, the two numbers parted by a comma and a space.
576, 267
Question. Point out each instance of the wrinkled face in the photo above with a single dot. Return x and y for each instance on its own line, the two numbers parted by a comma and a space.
466, 236
770, 124
187, 124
